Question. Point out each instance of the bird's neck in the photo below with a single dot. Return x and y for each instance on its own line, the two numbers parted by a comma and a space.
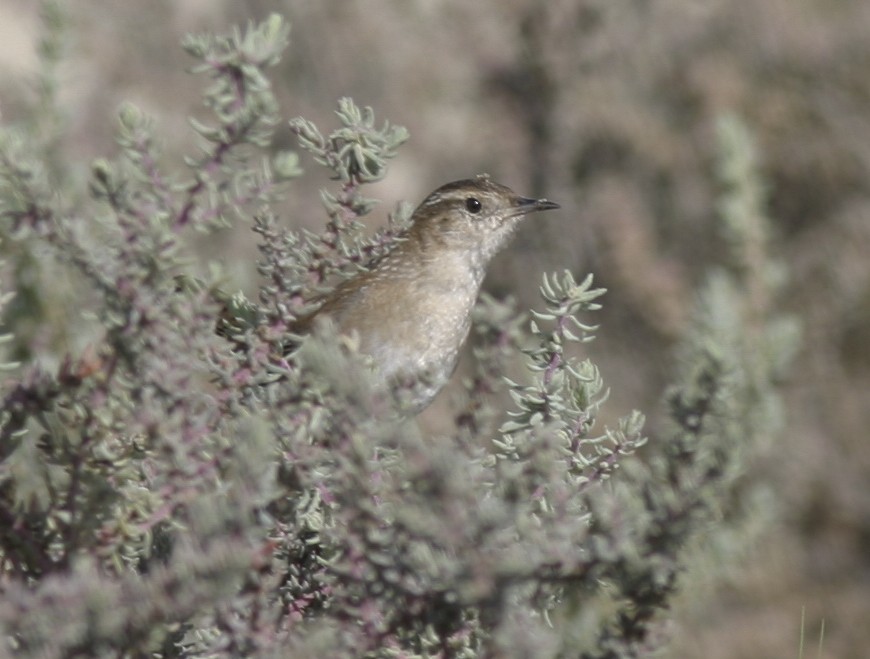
442, 264
463, 257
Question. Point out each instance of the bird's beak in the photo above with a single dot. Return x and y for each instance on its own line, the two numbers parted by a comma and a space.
529, 205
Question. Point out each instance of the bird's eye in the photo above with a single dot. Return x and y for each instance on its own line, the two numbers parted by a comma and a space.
473, 205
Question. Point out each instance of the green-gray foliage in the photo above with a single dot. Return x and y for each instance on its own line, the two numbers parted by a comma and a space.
167, 491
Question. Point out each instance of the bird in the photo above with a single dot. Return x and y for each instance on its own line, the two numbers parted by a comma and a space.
410, 310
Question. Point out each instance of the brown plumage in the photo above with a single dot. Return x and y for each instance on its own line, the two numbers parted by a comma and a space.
411, 311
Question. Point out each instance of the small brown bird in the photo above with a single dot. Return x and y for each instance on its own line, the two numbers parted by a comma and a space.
411, 310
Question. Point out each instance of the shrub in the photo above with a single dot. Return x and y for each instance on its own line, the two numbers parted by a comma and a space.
165, 491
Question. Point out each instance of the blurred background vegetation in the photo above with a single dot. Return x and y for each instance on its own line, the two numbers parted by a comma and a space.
610, 108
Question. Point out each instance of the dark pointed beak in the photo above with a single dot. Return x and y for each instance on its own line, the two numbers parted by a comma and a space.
529, 205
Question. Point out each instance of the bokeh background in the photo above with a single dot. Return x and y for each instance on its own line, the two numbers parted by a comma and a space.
608, 107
